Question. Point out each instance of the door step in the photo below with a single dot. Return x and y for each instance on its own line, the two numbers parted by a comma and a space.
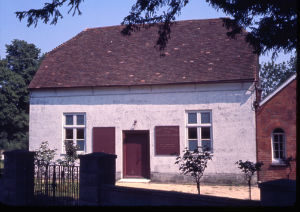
134, 180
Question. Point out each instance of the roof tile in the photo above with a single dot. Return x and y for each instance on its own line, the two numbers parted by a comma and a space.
199, 51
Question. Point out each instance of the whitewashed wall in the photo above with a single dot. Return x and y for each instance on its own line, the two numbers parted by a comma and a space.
233, 119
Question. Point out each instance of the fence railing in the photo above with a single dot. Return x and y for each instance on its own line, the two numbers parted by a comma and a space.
56, 184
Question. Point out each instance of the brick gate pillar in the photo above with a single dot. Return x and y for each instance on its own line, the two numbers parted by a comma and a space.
18, 178
281, 192
96, 169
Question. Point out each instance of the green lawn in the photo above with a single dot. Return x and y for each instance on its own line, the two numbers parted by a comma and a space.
66, 189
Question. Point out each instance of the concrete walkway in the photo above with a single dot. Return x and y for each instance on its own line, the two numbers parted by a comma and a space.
239, 192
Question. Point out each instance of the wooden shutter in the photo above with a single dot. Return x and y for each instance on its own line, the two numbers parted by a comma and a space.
104, 139
167, 140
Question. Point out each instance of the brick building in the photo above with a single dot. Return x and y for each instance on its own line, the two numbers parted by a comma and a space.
276, 132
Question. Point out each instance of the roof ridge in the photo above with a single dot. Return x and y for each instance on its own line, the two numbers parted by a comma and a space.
209, 19
278, 89
115, 26
63, 43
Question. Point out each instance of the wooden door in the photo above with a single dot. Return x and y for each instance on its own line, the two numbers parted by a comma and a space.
136, 155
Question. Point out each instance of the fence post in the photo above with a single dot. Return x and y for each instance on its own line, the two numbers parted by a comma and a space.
96, 169
18, 177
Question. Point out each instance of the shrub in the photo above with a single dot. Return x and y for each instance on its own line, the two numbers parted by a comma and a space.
249, 168
193, 163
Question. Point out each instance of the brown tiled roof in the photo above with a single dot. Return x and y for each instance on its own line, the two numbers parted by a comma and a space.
199, 51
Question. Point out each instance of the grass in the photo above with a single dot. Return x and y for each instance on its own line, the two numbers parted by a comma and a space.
1, 167
64, 190
1, 164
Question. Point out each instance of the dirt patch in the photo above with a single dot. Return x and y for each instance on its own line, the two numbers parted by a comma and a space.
238, 192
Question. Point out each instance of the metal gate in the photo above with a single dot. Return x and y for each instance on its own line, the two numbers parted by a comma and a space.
56, 185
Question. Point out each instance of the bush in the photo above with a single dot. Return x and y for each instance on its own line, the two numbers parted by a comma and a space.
193, 163
44, 155
249, 168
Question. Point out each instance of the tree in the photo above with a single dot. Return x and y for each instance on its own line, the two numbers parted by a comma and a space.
273, 75
71, 154
44, 155
16, 71
249, 168
273, 23
194, 163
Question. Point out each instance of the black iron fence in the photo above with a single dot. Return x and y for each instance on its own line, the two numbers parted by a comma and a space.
56, 185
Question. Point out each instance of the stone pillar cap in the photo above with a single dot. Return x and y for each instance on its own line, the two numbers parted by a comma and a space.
18, 151
98, 155
280, 183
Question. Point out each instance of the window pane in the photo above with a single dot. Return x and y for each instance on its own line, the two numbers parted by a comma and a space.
69, 133
275, 138
80, 144
280, 138
69, 119
205, 118
80, 119
206, 145
192, 133
281, 154
276, 146
205, 132
192, 118
280, 146
80, 133
276, 154
193, 145
68, 141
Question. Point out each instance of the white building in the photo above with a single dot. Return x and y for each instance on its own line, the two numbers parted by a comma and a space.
116, 94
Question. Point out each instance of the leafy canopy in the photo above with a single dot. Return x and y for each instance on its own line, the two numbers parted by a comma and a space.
44, 155
194, 163
16, 71
273, 75
273, 23
249, 168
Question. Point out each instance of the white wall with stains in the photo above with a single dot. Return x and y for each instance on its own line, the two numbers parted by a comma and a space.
233, 118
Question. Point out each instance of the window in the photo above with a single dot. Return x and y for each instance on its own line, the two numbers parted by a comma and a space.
74, 130
278, 146
199, 130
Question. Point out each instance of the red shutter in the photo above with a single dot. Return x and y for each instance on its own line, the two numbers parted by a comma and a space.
104, 139
167, 140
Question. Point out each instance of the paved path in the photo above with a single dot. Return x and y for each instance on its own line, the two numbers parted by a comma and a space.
239, 192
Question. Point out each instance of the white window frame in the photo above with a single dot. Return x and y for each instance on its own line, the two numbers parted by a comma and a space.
278, 160
199, 125
74, 127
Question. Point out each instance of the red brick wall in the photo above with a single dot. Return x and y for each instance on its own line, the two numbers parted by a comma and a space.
278, 112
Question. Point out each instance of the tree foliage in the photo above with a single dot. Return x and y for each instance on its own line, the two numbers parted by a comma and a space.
249, 168
273, 75
273, 23
194, 163
16, 71
49, 10
44, 155
71, 156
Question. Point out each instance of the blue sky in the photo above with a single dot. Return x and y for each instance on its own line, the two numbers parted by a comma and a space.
95, 13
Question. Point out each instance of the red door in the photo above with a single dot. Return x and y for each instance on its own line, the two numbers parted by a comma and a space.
136, 161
